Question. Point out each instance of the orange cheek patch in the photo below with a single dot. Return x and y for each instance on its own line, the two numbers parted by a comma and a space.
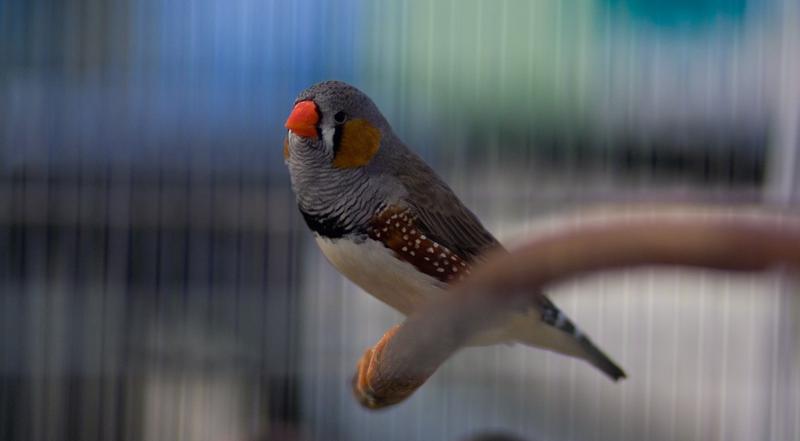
286, 148
358, 144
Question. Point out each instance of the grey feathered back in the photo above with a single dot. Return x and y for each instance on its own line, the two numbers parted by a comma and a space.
440, 212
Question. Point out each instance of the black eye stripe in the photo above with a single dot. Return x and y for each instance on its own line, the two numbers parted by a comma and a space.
337, 139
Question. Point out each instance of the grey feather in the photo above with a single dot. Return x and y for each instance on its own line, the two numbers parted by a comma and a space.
441, 214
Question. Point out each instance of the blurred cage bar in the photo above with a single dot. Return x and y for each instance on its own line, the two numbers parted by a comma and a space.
156, 282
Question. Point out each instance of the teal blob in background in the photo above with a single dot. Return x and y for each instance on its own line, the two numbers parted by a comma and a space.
683, 13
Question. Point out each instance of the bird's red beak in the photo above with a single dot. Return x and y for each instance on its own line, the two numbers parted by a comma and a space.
303, 119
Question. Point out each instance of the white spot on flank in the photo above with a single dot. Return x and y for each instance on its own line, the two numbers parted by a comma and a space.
439, 270
430, 250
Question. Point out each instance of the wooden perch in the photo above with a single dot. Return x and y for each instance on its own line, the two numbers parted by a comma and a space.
408, 354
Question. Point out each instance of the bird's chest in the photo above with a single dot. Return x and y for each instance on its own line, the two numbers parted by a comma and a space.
376, 269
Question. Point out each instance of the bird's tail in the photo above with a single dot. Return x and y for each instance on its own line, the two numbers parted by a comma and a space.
600, 360
552, 329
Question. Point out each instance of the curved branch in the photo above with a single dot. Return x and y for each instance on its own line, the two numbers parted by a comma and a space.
409, 354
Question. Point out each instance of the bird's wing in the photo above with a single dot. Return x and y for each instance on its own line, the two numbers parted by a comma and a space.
399, 229
440, 214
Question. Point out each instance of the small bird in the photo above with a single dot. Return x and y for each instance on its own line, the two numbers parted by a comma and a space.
385, 220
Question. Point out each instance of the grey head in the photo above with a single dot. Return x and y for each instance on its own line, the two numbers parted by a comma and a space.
341, 152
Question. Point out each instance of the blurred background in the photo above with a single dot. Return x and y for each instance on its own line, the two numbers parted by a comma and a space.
157, 283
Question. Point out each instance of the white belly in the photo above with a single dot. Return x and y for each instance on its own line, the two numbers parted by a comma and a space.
376, 270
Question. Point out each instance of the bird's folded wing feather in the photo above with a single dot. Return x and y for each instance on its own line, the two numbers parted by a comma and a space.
440, 214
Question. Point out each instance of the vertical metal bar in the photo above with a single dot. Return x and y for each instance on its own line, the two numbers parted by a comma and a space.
782, 189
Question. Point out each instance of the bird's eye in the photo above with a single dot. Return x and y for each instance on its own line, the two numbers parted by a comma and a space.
340, 117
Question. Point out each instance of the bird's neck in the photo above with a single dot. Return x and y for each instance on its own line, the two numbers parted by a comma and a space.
334, 202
